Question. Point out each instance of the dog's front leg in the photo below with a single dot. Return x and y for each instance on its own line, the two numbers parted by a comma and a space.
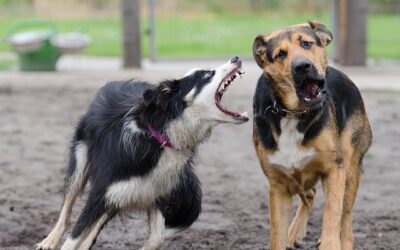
333, 184
156, 229
280, 203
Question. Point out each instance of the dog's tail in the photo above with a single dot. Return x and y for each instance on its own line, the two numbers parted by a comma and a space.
183, 206
77, 172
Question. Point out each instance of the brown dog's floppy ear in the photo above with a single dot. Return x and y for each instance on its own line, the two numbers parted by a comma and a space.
259, 49
322, 32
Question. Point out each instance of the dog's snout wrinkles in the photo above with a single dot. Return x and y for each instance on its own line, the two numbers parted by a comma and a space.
301, 66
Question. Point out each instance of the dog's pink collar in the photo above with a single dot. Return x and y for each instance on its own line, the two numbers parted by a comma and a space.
160, 137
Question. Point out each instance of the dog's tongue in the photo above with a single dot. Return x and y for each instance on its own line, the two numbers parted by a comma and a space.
313, 88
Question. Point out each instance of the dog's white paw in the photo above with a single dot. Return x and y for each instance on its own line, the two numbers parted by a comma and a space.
47, 244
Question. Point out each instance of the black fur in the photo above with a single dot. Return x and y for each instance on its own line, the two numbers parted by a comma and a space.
345, 96
183, 206
263, 116
110, 161
342, 97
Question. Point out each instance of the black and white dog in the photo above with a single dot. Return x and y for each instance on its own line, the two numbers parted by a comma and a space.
136, 146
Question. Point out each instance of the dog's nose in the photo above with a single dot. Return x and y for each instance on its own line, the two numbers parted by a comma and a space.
301, 65
235, 59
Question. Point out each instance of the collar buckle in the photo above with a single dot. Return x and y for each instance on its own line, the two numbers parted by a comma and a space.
163, 140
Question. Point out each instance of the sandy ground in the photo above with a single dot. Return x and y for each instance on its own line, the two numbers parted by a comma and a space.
37, 115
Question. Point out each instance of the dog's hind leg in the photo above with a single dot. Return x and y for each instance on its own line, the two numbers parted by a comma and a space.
74, 184
88, 237
91, 237
92, 219
298, 227
156, 227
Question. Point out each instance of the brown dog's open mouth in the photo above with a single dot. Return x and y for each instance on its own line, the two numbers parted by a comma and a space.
223, 86
312, 90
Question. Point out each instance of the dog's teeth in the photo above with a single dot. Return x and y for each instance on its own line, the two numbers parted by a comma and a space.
307, 99
319, 94
244, 113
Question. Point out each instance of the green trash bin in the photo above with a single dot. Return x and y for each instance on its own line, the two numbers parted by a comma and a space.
44, 59
34, 49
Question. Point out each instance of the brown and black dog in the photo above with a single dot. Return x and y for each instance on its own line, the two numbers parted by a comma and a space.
310, 124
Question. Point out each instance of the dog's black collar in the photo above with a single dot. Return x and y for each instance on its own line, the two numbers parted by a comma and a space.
278, 109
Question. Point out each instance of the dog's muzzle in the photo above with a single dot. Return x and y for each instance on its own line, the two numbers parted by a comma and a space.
310, 85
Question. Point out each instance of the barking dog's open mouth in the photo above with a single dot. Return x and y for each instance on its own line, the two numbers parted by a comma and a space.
312, 90
223, 86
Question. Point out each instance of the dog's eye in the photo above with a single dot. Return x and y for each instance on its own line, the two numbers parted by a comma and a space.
306, 44
281, 55
207, 75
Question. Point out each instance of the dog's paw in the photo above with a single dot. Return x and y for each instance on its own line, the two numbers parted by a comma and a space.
46, 244
296, 236
318, 243
329, 244
294, 246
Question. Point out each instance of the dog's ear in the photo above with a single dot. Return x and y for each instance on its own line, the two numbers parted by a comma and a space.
150, 96
165, 90
259, 50
161, 93
322, 32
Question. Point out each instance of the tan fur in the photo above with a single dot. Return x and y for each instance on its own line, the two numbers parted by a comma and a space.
280, 70
336, 163
340, 183
298, 227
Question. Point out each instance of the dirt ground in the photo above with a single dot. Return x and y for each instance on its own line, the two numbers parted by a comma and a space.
37, 116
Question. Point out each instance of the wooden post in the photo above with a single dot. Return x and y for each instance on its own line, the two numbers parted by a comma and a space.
131, 34
350, 27
335, 30
152, 30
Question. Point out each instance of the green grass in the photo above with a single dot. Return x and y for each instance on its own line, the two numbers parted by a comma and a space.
384, 36
217, 36
6, 64
214, 35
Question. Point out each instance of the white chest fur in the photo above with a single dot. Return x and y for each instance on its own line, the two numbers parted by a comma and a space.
143, 191
290, 155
